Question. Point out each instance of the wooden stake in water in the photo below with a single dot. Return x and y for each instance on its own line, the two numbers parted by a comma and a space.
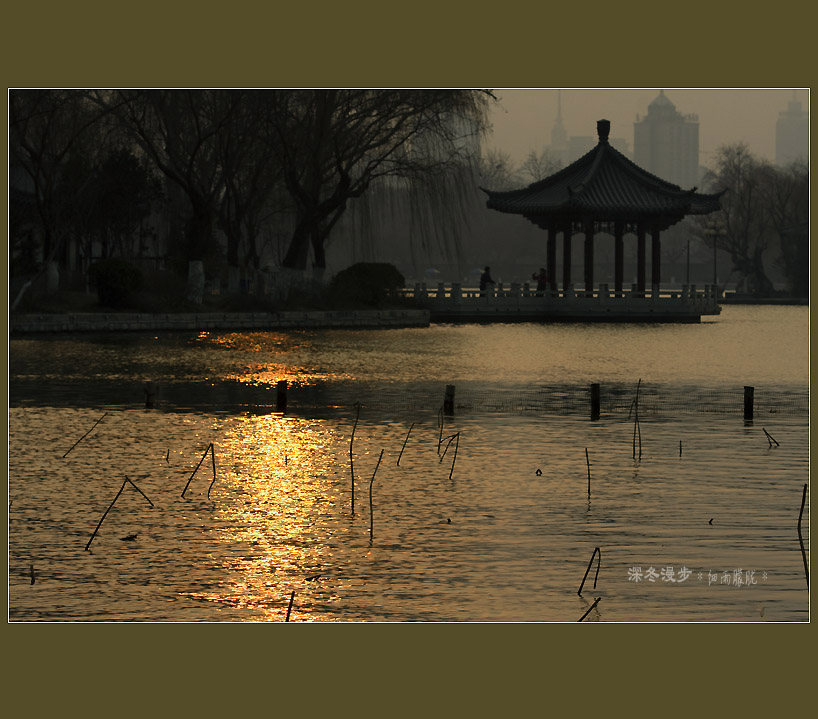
596, 601
209, 449
371, 514
800, 538
85, 435
351, 467
404, 443
289, 608
598, 554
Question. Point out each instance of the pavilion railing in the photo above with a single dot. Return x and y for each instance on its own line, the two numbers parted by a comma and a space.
514, 292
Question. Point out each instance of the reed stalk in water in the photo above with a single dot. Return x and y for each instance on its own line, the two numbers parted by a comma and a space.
290, 606
125, 482
800, 538
598, 554
596, 601
85, 435
371, 514
404, 443
190, 479
351, 466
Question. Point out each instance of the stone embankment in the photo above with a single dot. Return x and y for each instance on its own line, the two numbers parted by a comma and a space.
116, 321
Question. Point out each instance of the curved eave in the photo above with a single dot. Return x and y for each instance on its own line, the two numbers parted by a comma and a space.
603, 183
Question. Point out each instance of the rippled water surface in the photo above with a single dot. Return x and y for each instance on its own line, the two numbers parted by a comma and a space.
503, 530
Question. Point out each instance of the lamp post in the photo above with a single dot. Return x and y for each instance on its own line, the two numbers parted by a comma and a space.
713, 230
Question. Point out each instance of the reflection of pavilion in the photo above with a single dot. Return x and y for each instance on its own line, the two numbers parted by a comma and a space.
603, 191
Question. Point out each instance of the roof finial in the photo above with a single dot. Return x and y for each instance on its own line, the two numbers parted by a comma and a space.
603, 129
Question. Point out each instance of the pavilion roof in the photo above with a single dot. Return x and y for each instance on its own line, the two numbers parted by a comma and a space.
603, 185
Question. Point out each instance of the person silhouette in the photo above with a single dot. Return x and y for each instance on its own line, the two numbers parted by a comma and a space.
542, 279
485, 280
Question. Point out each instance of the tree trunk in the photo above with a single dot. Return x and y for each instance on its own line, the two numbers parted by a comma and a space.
298, 251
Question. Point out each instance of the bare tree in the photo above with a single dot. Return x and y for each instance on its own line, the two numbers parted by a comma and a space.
180, 131
333, 144
743, 227
788, 203
253, 188
45, 128
496, 171
536, 167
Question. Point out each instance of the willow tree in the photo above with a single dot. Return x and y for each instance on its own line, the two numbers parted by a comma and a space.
332, 145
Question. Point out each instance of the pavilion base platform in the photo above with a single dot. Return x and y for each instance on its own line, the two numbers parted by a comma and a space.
520, 304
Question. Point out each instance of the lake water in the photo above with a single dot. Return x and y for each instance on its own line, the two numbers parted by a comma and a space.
701, 527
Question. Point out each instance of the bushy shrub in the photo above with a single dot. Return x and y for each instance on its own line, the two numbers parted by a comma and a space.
116, 282
369, 283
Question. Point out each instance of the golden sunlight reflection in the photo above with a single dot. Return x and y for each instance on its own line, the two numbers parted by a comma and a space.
264, 358
277, 513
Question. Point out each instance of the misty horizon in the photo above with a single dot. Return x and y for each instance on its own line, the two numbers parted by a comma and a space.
522, 119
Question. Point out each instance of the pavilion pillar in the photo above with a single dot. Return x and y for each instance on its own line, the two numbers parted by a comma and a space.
566, 257
655, 259
619, 256
640, 259
589, 257
551, 256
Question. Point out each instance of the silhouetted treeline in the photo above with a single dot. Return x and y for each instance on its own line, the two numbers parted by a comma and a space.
764, 218
91, 166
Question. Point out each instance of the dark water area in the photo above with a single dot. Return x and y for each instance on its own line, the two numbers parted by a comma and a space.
502, 532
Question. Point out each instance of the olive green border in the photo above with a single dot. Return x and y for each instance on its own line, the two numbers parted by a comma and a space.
406, 670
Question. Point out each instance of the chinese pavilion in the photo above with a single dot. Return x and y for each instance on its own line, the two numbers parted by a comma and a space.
603, 192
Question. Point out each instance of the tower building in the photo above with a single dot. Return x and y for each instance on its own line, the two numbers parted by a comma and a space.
792, 134
666, 143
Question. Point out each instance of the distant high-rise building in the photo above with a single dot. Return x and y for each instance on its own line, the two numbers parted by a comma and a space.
666, 143
559, 137
792, 134
566, 149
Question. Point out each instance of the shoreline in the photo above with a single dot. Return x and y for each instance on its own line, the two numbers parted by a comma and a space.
198, 321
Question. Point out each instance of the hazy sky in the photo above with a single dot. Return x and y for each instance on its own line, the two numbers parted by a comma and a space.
523, 118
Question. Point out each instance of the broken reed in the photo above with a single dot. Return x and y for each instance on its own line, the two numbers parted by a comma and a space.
190, 479
800, 538
456, 439
290, 606
588, 463
351, 466
404, 443
596, 601
770, 438
110, 506
598, 554
371, 515
85, 435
